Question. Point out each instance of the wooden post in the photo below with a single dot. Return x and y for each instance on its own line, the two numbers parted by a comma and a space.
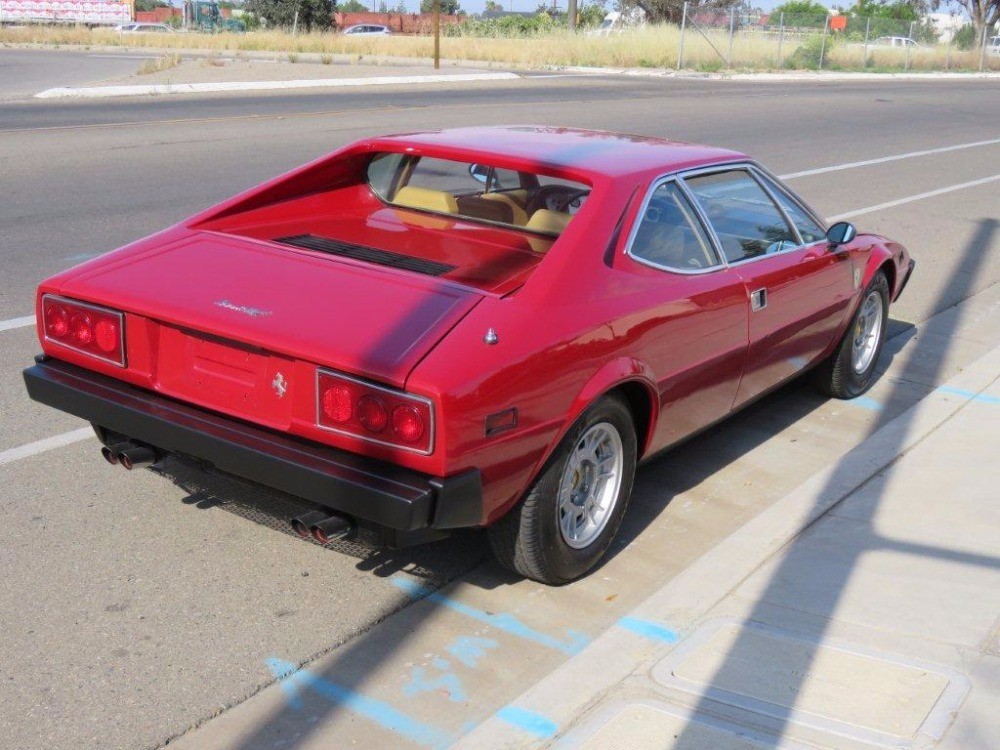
571, 14
437, 34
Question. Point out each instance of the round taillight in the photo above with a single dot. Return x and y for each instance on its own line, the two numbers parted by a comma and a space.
57, 321
407, 423
337, 403
106, 335
372, 413
82, 329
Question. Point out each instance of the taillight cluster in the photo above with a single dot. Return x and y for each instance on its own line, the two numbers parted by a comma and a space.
96, 331
373, 413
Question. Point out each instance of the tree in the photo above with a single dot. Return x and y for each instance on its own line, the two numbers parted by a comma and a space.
984, 14
493, 6
898, 10
352, 6
591, 14
673, 10
801, 8
148, 5
448, 7
313, 14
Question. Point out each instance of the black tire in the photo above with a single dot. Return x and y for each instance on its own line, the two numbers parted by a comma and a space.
837, 376
529, 541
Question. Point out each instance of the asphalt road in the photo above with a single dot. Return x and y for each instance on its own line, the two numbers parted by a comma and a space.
26, 72
134, 608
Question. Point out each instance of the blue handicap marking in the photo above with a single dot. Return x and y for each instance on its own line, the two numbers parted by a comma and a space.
572, 644
650, 630
983, 398
528, 721
470, 650
866, 402
446, 682
376, 711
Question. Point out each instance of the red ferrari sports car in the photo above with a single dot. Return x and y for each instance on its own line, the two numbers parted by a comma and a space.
479, 327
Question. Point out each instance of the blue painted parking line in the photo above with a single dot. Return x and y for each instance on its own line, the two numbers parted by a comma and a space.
379, 712
508, 623
866, 402
650, 630
983, 398
528, 721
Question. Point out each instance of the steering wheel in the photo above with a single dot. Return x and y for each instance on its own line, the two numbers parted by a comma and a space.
566, 196
572, 195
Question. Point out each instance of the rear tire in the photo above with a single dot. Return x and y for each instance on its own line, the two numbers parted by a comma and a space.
566, 522
850, 370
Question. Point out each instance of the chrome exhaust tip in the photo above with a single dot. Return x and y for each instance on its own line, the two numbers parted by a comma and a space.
110, 452
136, 457
302, 525
334, 527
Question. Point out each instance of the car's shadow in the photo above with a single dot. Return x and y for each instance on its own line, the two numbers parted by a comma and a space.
658, 482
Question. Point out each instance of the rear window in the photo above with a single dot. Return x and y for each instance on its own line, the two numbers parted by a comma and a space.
525, 201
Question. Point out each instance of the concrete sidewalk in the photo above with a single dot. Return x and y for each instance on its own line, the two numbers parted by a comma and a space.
876, 626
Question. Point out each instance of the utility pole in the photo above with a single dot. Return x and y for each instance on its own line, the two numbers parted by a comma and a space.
571, 14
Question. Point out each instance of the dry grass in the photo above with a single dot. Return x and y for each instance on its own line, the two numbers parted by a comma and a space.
164, 62
653, 47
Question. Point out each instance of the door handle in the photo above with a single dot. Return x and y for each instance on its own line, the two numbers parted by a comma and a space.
758, 299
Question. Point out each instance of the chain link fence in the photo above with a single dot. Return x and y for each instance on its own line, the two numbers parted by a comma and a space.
721, 39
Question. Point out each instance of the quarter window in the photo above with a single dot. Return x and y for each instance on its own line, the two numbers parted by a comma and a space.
744, 218
669, 234
807, 226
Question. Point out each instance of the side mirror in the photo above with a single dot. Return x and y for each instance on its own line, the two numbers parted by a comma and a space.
479, 173
841, 233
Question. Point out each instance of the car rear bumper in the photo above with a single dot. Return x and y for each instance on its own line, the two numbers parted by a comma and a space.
380, 493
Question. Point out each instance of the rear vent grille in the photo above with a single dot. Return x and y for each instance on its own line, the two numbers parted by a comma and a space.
367, 254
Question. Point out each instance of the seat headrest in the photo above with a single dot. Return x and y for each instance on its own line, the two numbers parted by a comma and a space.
545, 220
411, 196
478, 207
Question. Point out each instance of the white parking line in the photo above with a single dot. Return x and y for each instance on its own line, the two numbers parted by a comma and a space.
884, 159
7, 325
46, 444
910, 199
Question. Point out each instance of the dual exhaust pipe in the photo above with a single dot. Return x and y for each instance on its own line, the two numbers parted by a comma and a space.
323, 527
129, 455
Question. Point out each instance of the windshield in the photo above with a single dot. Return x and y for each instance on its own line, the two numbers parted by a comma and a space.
526, 201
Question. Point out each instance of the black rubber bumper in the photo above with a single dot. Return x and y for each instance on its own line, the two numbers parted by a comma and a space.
378, 492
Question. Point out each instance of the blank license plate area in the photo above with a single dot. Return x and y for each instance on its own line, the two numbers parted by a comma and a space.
224, 376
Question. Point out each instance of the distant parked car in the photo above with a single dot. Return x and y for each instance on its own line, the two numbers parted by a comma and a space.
899, 42
993, 47
144, 28
367, 29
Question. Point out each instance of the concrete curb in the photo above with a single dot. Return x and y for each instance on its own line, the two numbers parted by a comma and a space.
676, 608
103, 92
341, 59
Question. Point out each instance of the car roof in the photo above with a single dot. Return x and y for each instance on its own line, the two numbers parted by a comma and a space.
587, 152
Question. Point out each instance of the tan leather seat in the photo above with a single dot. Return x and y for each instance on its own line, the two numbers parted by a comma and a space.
477, 207
426, 199
518, 215
545, 220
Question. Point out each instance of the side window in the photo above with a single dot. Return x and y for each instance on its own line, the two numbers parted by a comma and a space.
744, 218
383, 173
443, 174
809, 230
670, 235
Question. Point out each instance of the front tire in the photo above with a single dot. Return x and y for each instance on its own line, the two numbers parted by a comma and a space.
850, 370
566, 522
